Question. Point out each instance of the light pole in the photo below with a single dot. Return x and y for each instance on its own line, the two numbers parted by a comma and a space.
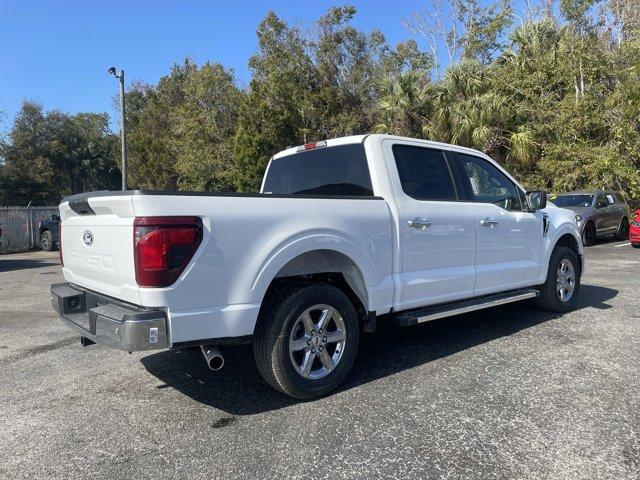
123, 130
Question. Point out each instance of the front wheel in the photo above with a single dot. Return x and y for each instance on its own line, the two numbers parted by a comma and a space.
589, 235
560, 292
306, 340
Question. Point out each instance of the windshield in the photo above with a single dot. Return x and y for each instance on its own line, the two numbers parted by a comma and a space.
340, 170
573, 201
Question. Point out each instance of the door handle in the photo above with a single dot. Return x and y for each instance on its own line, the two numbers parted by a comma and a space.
419, 223
489, 222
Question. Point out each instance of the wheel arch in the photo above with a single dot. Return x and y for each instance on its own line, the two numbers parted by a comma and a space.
622, 219
570, 241
341, 267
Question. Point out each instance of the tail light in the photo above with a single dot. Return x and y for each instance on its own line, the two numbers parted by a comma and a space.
163, 246
60, 242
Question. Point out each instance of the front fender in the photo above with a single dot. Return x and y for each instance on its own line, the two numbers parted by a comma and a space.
561, 222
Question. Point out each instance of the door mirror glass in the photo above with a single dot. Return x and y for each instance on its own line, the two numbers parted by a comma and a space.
536, 200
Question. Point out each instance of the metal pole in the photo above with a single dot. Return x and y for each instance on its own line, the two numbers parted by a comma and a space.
123, 132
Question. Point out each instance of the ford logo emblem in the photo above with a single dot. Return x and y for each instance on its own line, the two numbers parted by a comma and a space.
87, 238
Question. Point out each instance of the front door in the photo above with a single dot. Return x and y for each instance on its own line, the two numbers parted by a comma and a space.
437, 231
509, 237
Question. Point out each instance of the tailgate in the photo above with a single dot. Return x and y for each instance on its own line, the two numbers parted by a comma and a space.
97, 244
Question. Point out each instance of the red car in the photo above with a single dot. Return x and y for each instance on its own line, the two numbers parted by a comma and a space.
634, 230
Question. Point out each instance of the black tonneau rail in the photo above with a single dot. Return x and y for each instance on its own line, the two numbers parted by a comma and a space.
81, 198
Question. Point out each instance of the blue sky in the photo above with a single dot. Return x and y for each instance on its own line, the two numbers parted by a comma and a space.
57, 52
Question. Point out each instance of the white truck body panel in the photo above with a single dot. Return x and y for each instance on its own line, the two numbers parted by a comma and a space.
247, 240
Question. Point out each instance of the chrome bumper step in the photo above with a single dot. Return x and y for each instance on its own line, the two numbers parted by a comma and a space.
414, 317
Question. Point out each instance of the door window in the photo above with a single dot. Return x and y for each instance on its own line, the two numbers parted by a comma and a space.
484, 183
424, 173
601, 202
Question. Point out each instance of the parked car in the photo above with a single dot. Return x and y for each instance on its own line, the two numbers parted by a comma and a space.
598, 213
634, 230
345, 234
48, 230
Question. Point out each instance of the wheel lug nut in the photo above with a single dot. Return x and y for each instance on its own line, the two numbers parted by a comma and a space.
324, 339
321, 331
313, 350
313, 332
309, 342
321, 348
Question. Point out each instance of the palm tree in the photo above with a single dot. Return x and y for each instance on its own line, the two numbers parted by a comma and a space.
402, 109
468, 111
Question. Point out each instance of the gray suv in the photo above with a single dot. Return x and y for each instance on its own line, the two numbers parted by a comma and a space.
598, 213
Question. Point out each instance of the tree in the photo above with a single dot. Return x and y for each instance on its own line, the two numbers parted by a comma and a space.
52, 154
462, 30
403, 106
181, 131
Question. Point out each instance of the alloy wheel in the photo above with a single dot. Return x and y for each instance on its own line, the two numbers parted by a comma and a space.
317, 341
565, 280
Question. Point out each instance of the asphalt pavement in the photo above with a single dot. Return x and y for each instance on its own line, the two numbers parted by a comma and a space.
506, 393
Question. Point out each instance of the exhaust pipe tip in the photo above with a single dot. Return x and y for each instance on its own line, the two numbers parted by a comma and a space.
216, 363
213, 357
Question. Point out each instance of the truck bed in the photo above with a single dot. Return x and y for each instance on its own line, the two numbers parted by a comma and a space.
247, 239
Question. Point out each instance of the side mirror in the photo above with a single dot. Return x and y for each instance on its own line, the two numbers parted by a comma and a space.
536, 200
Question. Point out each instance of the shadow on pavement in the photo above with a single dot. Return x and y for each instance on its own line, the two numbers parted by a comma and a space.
238, 388
8, 265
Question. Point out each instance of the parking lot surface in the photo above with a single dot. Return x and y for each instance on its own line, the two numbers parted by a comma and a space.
511, 392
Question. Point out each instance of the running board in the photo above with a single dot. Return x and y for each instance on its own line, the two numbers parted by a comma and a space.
413, 317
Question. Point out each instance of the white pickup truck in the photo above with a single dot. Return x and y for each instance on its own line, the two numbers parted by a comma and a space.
345, 233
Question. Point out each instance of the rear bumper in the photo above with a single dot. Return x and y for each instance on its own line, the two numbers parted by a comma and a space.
109, 322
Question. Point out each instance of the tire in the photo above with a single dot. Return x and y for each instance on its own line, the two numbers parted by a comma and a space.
550, 297
623, 230
589, 235
46, 241
282, 340
635, 245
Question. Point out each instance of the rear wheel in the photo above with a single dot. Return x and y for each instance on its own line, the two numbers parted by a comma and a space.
623, 230
46, 241
306, 340
560, 292
589, 234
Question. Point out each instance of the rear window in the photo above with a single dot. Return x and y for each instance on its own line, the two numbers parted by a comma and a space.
340, 170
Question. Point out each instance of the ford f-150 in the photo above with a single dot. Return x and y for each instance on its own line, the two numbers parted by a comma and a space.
345, 234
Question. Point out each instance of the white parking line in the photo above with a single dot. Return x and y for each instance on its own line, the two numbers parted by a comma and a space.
623, 244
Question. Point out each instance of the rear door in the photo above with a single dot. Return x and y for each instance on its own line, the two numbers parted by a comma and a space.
437, 230
603, 214
616, 210
97, 245
509, 238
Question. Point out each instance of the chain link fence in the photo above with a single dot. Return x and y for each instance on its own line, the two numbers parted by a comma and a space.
20, 227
